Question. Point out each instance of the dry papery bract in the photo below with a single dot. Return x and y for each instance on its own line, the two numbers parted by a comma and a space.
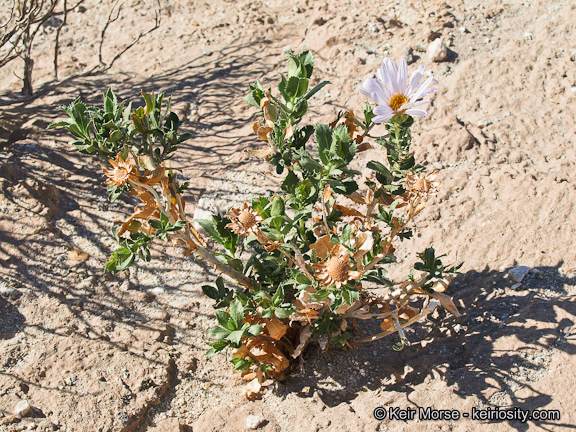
298, 265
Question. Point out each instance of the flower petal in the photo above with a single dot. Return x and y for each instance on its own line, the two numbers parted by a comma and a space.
420, 92
386, 72
406, 106
383, 118
418, 103
402, 76
415, 79
416, 112
372, 85
383, 110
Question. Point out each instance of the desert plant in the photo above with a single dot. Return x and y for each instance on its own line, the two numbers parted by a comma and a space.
298, 263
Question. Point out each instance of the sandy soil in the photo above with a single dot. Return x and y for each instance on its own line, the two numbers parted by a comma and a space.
93, 352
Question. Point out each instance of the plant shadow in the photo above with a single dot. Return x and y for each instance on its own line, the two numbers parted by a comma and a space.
504, 341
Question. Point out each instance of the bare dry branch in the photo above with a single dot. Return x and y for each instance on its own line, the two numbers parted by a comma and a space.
57, 41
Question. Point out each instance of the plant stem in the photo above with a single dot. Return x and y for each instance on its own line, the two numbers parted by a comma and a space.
207, 256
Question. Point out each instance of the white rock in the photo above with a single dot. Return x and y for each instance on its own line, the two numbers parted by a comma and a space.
253, 422
437, 51
86, 283
158, 291
287, 48
9, 292
201, 213
22, 408
518, 273
529, 36
126, 285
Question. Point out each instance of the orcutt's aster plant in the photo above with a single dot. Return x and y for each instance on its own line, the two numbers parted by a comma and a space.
394, 94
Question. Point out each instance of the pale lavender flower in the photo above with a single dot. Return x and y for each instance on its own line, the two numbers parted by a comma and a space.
394, 94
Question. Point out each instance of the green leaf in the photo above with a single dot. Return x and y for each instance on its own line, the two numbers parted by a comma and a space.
235, 337
237, 313
225, 320
216, 347
323, 139
150, 102
210, 228
278, 207
350, 295
290, 182
210, 291
278, 297
283, 313
346, 232
316, 89
254, 330
300, 109
218, 333
307, 60
59, 124
120, 260
380, 169
302, 279
319, 295
156, 224
241, 364
292, 87
377, 276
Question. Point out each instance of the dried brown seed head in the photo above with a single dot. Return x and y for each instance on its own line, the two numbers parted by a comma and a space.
337, 269
247, 219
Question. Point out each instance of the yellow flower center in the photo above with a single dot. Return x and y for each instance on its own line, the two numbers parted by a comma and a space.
247, 219
337, 269
397, 101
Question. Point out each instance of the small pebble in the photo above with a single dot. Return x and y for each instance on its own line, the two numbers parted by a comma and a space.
437, 51
9, 292
22, 408
207, 52
86, 283
518, 273
408, 55
158, 291
254, 422
127, 285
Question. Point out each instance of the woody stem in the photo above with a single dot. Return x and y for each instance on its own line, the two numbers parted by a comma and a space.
240, 277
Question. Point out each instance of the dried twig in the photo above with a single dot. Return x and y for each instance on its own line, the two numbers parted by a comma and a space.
57, 41
102, 67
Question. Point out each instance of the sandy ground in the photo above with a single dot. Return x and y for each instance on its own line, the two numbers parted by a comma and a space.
93, 352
